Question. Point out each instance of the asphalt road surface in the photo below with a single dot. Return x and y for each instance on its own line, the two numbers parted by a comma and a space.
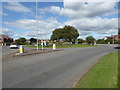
6, 50
61, 69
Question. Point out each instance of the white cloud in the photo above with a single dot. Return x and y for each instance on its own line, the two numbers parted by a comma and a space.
41, 27
16, 35
91, 1
83, 33
97, 24
5, 31
17, 7
79, 9
3, 13
86, 18
111, 31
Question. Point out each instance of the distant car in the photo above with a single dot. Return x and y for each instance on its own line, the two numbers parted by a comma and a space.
13, 46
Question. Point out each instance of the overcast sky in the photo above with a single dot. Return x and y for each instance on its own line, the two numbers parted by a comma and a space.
98, 19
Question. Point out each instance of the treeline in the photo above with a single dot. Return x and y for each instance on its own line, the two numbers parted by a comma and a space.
68, 34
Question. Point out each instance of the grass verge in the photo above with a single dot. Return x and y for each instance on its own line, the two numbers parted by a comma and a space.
66, 46
102, 75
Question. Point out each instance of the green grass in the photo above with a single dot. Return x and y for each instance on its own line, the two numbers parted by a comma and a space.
102, 75
66, 46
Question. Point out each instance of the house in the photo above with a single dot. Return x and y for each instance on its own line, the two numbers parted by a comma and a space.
5, 39
115, 37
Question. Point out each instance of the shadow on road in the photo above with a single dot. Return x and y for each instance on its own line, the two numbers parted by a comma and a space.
117, 47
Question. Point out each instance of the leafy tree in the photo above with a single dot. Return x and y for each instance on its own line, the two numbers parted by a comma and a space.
80, 40
57, 34
119, 36
101, 41
5, 40
33, 40
119, 31
109, 40
22, 39
17, 41
67, 33
90, 39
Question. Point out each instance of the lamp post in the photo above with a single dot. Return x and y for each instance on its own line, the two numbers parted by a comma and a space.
37, 22
42, 41
113, 39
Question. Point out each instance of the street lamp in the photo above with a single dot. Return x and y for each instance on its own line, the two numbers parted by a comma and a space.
113, 39
37, 22
86, 3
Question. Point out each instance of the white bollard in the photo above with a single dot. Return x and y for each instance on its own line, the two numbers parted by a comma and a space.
21, 49
54, 46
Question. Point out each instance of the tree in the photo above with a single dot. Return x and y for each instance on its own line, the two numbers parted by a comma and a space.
109, 40
119, 31
68, 33
17, 41
80, 41
33, 40
90, 39
57, 34
101, 41
22, 39
5, 40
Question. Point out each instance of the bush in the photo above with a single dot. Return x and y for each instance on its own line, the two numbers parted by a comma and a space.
50, 44
80, 41
66, 43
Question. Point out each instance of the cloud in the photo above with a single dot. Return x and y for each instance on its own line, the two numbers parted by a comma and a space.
97, 24
17, 7
85, 26
41, 27
33, 34
16, 35
79, 9
111, 31
84, 33
3, 13
86, 18
5, 31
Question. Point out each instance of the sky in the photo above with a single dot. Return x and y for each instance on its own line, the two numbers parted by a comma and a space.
98, 19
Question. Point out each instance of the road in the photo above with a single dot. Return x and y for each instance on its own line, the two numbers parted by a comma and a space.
6, 50
61, 69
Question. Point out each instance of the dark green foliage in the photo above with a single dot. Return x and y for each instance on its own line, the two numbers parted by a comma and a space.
109, 40
90, 39
8, 40
119, 31
67, 33
80, 41
101, 41
33, 40
21, 41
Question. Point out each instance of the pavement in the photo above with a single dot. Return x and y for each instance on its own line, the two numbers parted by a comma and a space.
51, 70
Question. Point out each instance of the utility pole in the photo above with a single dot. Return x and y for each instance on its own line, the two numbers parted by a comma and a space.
37, 22
113, 39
